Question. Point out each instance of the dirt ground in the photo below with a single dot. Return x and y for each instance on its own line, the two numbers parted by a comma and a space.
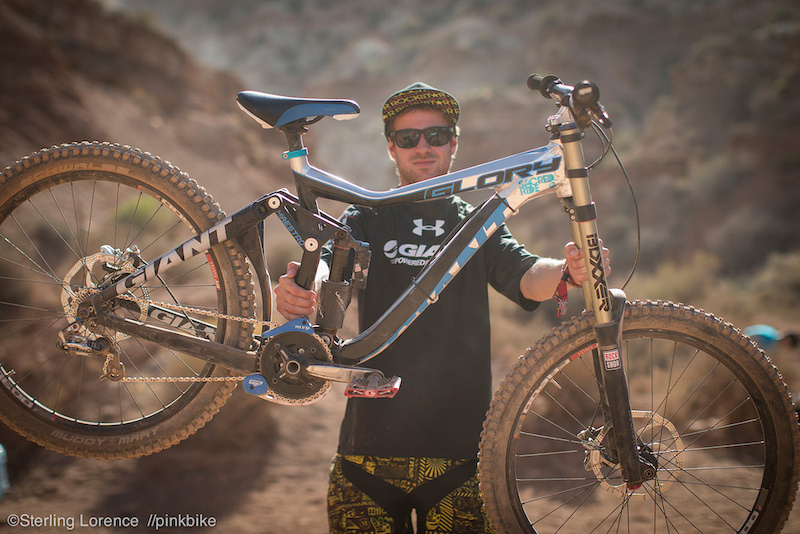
255, 468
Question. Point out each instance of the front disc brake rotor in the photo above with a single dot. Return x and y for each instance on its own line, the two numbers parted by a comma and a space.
662, 438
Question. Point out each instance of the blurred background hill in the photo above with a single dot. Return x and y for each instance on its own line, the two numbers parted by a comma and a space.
703, 97
703, 93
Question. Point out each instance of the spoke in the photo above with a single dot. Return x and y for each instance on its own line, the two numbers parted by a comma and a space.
586, 491
91, 213
38, 268
75, 210
77, 253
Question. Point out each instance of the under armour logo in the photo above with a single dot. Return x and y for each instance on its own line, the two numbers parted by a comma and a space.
436, 228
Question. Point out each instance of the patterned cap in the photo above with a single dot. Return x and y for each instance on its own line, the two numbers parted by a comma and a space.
420, 94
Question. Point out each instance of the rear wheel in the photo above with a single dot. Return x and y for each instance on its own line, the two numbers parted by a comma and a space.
74, 219
708, 405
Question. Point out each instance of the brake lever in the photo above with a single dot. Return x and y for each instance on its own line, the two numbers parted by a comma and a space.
601, 116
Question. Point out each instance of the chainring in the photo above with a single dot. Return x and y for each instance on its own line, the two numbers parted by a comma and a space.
280, 362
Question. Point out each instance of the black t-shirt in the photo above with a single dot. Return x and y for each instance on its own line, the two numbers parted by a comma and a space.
444, 357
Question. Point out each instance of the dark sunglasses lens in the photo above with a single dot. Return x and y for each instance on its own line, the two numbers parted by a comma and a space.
407, 138
437, 136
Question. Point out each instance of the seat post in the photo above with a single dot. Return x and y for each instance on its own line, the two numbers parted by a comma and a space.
311, 254
294, 140
294, 135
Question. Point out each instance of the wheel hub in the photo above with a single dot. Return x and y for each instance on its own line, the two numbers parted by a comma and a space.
663, 443
85, 279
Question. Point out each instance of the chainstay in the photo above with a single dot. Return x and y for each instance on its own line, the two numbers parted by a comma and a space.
186, 310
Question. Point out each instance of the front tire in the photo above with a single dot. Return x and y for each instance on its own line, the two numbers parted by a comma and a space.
707, 402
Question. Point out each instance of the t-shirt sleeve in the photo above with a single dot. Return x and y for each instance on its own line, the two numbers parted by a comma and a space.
507, 261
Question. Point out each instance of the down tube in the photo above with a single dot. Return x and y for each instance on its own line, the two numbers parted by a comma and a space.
426, 289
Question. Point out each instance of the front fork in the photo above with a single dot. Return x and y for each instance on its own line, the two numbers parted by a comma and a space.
608, 306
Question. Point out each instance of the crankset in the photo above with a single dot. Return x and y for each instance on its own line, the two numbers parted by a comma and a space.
283, 360
297, 368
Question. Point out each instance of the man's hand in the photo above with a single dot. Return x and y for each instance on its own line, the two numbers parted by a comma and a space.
292, 300
541, 280
576, 264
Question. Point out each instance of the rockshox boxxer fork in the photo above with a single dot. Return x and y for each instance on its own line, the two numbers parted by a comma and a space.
608, 305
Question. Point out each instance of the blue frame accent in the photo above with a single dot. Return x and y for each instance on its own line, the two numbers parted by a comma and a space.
295, 153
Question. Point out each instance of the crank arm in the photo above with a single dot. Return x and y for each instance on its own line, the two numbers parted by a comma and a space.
362, 383
216, 353
339, 373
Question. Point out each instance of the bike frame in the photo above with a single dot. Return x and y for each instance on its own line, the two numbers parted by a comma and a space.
558, 167
517, 179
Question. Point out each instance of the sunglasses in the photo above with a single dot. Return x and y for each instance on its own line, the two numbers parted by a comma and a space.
434, 136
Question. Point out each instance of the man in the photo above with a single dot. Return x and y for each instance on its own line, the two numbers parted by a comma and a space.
418, 450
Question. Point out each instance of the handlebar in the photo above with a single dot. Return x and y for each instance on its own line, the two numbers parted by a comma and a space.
583, 99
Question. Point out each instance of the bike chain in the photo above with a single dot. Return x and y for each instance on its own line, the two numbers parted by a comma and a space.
276, 397
184, 309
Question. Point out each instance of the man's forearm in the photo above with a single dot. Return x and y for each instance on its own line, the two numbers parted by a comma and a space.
540, 281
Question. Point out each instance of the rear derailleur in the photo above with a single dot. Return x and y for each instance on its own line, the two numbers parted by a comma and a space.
71, 341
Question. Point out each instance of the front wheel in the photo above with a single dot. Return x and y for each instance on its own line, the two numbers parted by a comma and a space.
707, 404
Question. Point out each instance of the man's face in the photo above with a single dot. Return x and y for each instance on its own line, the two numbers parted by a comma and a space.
422, 161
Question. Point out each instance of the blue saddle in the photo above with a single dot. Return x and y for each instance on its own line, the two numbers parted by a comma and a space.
274, 111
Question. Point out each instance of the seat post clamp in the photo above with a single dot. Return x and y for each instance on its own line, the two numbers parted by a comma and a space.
296, 153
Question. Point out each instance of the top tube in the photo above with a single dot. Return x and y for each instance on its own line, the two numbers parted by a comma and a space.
494, 174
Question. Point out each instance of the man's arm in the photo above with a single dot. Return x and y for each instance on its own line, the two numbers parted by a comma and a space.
540, 281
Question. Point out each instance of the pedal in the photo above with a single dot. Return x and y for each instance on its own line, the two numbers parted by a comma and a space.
374, 386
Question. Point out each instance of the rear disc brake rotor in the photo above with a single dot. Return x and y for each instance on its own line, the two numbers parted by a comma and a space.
82, 281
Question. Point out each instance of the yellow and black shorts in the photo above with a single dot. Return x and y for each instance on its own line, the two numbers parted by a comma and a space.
369, 494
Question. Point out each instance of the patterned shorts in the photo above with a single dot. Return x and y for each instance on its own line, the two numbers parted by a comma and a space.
369, 494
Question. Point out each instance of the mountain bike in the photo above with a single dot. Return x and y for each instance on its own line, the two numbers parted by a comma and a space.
128, 314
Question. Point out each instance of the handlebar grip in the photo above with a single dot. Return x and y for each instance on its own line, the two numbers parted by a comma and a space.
550, 86
535, 83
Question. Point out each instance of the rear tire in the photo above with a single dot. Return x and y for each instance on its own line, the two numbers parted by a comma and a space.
58, 208
710, 405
